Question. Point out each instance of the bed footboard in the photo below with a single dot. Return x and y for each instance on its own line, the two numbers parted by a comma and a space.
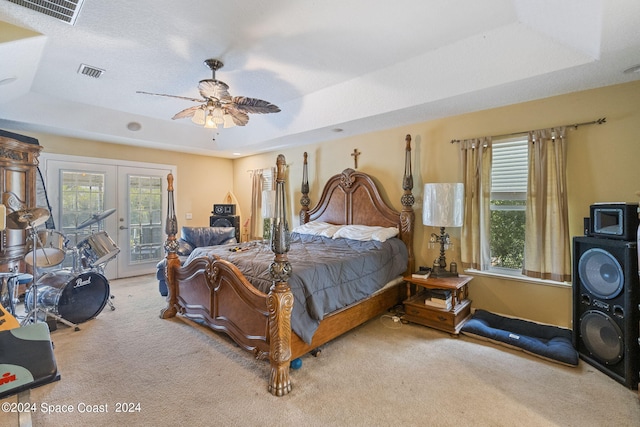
214, 292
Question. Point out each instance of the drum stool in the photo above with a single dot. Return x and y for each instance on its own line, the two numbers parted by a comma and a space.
21, 279
13, 294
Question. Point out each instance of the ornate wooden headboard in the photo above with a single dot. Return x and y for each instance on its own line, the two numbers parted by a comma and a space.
352, 197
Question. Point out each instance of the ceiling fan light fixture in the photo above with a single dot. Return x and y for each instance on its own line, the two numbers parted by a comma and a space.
228, 121
209, 121
198, 117
219, 108
217, 114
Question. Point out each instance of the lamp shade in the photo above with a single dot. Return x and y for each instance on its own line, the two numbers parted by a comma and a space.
443, 205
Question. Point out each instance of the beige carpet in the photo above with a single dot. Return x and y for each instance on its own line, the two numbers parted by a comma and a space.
381, 374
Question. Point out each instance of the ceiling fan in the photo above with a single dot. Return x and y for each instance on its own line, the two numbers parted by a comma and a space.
218, 107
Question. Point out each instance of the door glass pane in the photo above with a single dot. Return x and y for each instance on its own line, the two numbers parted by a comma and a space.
145, 218
82, 197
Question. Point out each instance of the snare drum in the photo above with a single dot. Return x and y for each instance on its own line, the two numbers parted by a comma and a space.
74, 297
49, 249
98, 248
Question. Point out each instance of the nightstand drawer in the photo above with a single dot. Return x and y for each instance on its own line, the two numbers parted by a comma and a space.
447, 320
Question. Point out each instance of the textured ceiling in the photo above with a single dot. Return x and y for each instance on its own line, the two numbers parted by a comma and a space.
348, 64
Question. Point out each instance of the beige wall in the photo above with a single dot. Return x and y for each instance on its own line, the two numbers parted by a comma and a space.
602, 166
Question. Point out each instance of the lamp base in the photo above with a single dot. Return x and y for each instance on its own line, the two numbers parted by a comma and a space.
438, 272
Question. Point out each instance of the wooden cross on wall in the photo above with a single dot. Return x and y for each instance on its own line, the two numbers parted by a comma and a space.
355, 155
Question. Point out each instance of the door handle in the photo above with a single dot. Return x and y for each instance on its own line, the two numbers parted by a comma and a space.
122, 227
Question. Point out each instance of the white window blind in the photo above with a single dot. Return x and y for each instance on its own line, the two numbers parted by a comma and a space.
509, 169
268, 182
268, 194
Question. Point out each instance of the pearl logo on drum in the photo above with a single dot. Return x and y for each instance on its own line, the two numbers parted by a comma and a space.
80, 282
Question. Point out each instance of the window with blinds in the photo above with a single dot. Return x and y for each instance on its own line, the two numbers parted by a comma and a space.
268, 202
509, 174
268, 180
509, 169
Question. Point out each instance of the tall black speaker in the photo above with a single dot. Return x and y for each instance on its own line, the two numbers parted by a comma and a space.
226, 221
606, 311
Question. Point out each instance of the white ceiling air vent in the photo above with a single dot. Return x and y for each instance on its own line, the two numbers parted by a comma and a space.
90, 71
64, 10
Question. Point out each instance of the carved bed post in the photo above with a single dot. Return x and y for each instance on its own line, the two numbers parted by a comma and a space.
304, 200
407, 216
172, 260
280, 298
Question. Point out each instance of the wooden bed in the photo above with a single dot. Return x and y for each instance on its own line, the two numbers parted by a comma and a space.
214, 291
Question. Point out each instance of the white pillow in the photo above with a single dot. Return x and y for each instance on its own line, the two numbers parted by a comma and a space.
366, 232
317, 228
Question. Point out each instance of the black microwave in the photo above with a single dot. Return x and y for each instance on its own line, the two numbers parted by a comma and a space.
614, 220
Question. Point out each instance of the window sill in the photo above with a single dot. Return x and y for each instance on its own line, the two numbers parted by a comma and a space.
517, 277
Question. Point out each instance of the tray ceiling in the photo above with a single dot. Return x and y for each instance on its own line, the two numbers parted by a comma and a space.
337, 64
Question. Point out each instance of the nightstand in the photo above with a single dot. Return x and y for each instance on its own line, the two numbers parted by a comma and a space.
451, 321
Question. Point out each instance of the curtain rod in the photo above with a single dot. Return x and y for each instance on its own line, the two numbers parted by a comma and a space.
263, 169
575, 126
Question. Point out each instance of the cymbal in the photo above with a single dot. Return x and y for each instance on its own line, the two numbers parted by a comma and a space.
27, 218
95, 218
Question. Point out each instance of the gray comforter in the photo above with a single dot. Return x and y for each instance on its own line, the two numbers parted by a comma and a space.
328, 274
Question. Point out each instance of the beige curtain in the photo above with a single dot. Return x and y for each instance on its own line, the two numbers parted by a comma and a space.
547, 242
255, 223
475, 155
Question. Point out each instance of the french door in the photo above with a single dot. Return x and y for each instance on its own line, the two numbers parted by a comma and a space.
142, 207
115, 205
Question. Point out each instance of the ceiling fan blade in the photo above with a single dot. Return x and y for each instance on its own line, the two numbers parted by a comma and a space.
214, 89
172, 96
240, 118
188, 112
254, 106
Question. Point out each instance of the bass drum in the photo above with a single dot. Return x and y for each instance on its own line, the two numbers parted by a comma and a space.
74, 297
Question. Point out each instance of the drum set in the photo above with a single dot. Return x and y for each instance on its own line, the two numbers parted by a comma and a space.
70, 295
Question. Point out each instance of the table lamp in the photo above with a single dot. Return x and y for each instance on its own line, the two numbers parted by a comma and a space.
443, 207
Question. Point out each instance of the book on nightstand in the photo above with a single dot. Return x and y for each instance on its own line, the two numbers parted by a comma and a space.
439, 298
421, 274
443, 306
439, 293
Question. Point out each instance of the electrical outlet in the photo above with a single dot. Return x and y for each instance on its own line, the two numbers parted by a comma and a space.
188, 215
